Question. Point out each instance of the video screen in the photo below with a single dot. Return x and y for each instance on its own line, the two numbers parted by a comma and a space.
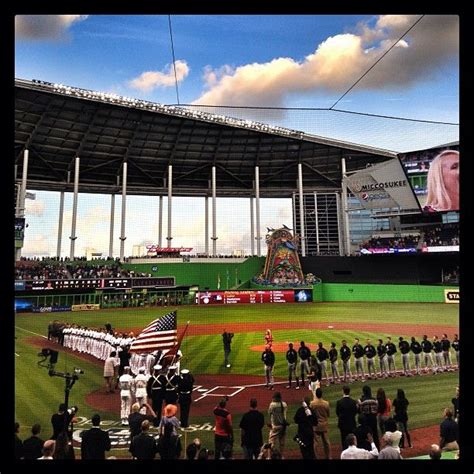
434, 177
303, 296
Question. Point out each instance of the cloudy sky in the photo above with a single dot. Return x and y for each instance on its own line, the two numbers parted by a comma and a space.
277, 61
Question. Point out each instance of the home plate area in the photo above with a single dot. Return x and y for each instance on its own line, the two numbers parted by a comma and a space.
211, 389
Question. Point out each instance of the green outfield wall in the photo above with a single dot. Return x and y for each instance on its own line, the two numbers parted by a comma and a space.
388, 293
226, 275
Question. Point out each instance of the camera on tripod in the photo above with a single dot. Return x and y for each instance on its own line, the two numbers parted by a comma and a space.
52, 354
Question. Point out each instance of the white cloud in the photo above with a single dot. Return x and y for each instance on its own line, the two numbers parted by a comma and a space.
36, 245
44, 27
34, 208
150, 80
338, 61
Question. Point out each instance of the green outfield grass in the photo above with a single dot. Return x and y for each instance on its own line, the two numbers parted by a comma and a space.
38, 395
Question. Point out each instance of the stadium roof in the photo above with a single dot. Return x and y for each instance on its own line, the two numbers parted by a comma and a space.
56, 123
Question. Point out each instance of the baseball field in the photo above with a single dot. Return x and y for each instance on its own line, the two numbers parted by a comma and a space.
37, 395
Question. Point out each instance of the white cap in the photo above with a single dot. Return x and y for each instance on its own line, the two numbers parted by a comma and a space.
172, 367
185, 371
141, 369
158, 367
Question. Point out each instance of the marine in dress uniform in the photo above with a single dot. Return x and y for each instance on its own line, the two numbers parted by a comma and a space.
185, 390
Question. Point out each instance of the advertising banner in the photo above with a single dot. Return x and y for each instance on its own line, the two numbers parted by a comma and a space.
85, 307
383, 186
50, 309
451, 295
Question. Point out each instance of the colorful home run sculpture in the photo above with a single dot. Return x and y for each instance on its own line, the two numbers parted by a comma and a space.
282, 266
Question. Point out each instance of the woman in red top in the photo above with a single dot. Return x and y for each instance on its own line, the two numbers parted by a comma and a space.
383, 410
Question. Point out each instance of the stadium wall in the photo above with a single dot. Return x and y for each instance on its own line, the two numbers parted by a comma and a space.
332, 292
205, 275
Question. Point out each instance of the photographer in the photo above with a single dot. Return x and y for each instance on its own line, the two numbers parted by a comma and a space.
306, 419
61, 420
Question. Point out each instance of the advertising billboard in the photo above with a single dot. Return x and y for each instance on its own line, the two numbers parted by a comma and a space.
383, 186
434, 177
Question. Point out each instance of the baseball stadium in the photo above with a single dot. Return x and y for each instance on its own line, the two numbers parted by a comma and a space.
355, 297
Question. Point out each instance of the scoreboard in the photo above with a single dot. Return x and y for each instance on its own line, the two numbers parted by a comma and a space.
93, 283
254, 296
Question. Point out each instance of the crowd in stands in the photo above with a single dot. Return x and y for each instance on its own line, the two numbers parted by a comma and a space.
441, 236
429, 236
405, 242
56, 270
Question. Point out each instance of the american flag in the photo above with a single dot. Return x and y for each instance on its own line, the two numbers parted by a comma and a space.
159, 334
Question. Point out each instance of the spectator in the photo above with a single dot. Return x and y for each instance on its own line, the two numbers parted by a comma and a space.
322, 410
396, 435
143, 446
455, 402
251, 426
192, 450
223, 432
353, 452
278, 421
63, 449
384, 405
33, 445
449, 432
18, 442
388, 451
95, 441
169, 444
435, 452
136, 418
401, 416
48, 449
368, 408
346, 410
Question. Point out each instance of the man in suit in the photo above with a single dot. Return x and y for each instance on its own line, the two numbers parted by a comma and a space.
95, 441
346, 410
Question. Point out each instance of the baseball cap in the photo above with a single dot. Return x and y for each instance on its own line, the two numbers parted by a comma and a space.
158, 367
185, 371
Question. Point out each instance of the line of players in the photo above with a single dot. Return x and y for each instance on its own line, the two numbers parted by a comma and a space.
435, 356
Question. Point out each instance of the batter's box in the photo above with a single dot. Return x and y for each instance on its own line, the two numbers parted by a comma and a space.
237, 389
